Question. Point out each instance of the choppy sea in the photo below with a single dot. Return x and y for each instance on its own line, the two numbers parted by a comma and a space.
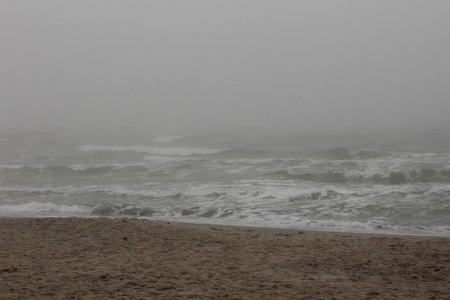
319, 182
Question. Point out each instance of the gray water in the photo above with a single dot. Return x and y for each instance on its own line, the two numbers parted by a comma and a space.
340, 183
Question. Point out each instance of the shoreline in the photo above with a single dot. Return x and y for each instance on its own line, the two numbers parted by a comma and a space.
381, 232
129, 258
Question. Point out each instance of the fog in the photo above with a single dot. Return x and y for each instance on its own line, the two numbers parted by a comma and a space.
186, 67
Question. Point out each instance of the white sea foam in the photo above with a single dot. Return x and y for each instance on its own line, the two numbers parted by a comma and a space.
267, 219
39, 208
175, 151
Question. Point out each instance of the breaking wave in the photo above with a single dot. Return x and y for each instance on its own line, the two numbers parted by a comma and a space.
220, 215
291, 185
45, 209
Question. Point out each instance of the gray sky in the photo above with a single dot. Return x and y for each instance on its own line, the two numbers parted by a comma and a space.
180, 67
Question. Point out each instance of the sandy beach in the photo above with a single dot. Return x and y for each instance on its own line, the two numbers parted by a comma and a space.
74, 258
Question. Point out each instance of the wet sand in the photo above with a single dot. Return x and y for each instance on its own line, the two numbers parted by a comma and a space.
74, 258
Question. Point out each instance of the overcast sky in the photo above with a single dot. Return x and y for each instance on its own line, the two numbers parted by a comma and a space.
180, 67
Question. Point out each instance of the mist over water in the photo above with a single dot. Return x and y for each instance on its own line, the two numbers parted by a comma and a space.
209, 67
303, 114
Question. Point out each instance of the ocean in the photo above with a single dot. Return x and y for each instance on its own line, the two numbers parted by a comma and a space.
346, 183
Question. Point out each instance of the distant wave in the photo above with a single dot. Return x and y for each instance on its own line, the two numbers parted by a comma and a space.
240, 153
90, 192
175, 151
341, 153
88, 170
31, 191
423, 175
11, 167
165, 159
167, 139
